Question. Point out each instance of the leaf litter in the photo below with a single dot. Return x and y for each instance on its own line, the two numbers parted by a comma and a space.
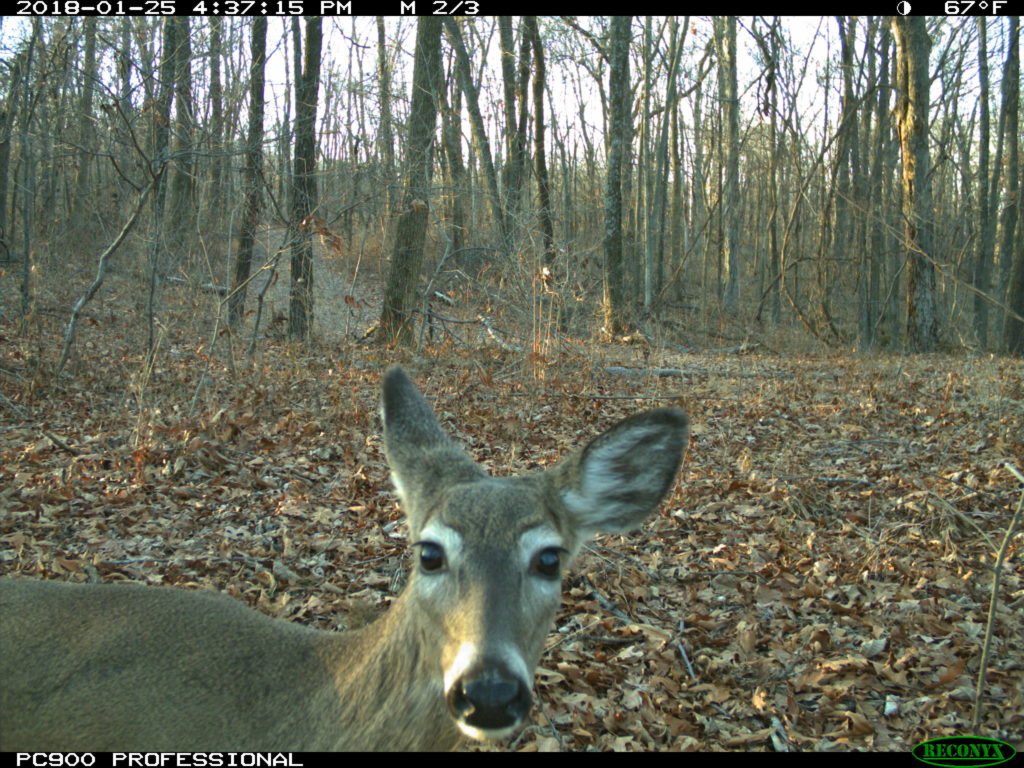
819, 579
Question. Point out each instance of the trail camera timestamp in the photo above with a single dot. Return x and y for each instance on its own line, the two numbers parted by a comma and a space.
100, 8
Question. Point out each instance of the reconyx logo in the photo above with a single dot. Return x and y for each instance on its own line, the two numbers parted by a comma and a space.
963, 752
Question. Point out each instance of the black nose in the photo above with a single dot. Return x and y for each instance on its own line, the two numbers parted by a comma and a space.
489, 697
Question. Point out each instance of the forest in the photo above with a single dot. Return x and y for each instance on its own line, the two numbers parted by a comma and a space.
217, 234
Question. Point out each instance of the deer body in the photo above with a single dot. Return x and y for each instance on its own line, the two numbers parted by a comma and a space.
126, 668
263, 685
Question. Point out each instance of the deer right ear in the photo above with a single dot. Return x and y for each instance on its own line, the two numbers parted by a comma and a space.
423, 459
622, 475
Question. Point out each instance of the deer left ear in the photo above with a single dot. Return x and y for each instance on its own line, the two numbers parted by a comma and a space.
620, 477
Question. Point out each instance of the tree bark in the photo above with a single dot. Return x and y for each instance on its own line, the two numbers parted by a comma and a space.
618, 137
253, 205
540, 157
725, 39
396, 324
986, 228
304, 191
912, 48
1013, 268
476, 121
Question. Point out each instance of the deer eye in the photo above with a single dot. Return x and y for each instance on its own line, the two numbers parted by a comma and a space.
548, 563
431, 556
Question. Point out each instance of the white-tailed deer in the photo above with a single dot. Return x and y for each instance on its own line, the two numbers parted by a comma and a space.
107, 667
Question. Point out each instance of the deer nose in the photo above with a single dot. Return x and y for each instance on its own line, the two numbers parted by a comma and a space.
489, 697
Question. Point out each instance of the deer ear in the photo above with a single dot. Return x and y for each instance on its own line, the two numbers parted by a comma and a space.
423, 459
620, 477
408, 418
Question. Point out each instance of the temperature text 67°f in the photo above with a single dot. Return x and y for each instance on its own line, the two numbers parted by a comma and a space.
974, 7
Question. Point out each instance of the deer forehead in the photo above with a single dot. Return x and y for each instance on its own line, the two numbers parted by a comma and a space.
495, 515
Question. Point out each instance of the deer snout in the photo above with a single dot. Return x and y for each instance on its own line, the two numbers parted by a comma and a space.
489, 700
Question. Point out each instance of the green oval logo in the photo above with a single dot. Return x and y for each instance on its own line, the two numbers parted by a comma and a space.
963, 752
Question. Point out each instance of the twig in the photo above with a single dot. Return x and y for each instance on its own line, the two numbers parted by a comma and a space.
60, 443
607, 604
18, 410
998, 572
682, 651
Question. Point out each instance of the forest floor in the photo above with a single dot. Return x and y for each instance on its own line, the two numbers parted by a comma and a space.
819, 579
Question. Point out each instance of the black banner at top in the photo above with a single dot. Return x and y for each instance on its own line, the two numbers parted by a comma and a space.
476, 8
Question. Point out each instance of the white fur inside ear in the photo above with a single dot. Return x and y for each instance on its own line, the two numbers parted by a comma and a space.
615, 475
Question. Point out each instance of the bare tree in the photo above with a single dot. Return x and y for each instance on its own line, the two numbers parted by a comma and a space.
304, 193
182, 188
725, 43
480, 141
253, 184
912, 48
217, 159
619, 130
411, 228
1011, 268
386, 139
532, 34
87, 153
986, 223
161, 144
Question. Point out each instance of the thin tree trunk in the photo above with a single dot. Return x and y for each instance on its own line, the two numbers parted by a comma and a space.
411, 229
725, 37
84, 201
618, 133
182, 192
161, 144
985, 221
217, 149
540, 158
253, 205
386, 137
476, 121
1011, 132
1013, 328
912, 47
304, 191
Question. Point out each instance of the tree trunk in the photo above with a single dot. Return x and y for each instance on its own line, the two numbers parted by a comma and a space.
161, 142
182, 192
84, 195
253, 183
618, 136
411, 229
1011, 132
540, 158
476, 121
217, 149
725, 39
985, 222
386, 140
1013, 268
304, 192
451, 139
912, 47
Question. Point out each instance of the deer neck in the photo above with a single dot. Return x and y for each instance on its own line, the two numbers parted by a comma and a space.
387, 683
